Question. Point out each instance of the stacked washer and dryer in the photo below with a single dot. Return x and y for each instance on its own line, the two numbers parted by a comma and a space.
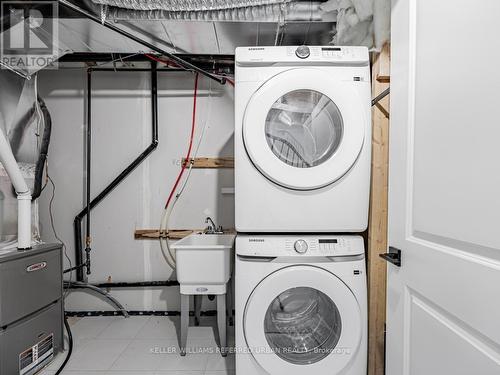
302, 177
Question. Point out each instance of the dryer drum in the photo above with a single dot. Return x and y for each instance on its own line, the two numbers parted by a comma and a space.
302, 325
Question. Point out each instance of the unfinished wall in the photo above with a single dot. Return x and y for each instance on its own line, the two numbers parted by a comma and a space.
121, 121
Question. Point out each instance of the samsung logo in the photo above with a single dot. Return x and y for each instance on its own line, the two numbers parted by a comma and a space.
256, 240
256, 49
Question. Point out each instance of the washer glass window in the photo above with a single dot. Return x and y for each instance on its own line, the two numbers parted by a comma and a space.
304, 128
302, 325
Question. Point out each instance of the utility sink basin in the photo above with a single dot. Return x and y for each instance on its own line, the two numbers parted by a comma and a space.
204, 262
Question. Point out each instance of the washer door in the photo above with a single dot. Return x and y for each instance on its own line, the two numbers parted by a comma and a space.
303, 129
302, 318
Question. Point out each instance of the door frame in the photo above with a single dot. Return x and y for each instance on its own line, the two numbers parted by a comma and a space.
377, 224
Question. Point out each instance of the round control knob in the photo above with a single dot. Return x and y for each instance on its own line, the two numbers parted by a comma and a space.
300, 246
303, 52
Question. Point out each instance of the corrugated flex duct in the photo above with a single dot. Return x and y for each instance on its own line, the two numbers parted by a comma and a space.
215, 10
187, 5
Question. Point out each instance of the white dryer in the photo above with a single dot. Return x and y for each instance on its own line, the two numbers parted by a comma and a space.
301, 305
302, 139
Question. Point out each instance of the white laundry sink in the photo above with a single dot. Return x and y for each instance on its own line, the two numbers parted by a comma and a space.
204, 262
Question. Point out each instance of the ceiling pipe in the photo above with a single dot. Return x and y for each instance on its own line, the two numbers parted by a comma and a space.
181, 62
22, 190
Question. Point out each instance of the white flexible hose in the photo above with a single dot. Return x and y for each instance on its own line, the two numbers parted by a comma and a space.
167, 251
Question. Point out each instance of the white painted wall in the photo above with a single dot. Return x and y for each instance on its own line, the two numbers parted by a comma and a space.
121, 130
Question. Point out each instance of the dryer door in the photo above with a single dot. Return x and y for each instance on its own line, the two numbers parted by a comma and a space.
303, 129
302, 318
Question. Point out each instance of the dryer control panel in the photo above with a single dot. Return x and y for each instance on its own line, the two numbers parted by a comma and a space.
299, 245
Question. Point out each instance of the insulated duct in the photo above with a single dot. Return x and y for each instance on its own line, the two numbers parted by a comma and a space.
216, 10
187, 5
294, 11
44, 149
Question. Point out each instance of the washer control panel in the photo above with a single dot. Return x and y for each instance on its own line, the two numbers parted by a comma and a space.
300, 246
297, 245
303, 52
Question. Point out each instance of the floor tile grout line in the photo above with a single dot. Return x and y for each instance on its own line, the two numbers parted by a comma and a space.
144, 325
119, 355
104, 338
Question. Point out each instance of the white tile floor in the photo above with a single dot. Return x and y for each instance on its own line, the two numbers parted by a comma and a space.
143, 346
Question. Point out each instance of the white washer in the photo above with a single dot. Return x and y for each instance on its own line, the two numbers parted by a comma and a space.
302, 139
301, 305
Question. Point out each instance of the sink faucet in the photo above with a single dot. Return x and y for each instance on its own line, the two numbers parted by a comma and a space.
212, 228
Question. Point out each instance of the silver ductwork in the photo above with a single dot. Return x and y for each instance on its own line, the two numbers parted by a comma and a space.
187, 5
191, 32
291, 11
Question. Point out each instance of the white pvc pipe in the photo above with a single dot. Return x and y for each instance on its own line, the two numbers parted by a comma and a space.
23, 193
24, 220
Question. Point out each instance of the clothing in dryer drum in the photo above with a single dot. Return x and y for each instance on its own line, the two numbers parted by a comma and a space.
304, 128
302, 325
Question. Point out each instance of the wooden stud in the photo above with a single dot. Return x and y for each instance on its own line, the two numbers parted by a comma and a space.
384, 71
377, 227
225, 162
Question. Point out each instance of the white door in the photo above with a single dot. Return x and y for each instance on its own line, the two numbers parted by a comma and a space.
443, 303
302, 129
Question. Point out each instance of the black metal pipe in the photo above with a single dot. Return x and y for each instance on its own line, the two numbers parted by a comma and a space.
75, 268
139, 284
135, 70
185, 64
132, 166
381, 96
89, 169
77, 234
95, 313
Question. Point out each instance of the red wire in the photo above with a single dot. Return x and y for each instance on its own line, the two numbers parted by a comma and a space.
188, 156
160, 60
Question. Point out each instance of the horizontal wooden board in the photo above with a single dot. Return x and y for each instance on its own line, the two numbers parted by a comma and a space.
173, 234
226, 162
384, 71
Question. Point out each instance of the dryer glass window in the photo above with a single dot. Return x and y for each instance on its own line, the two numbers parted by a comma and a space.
302, 325
304, 128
